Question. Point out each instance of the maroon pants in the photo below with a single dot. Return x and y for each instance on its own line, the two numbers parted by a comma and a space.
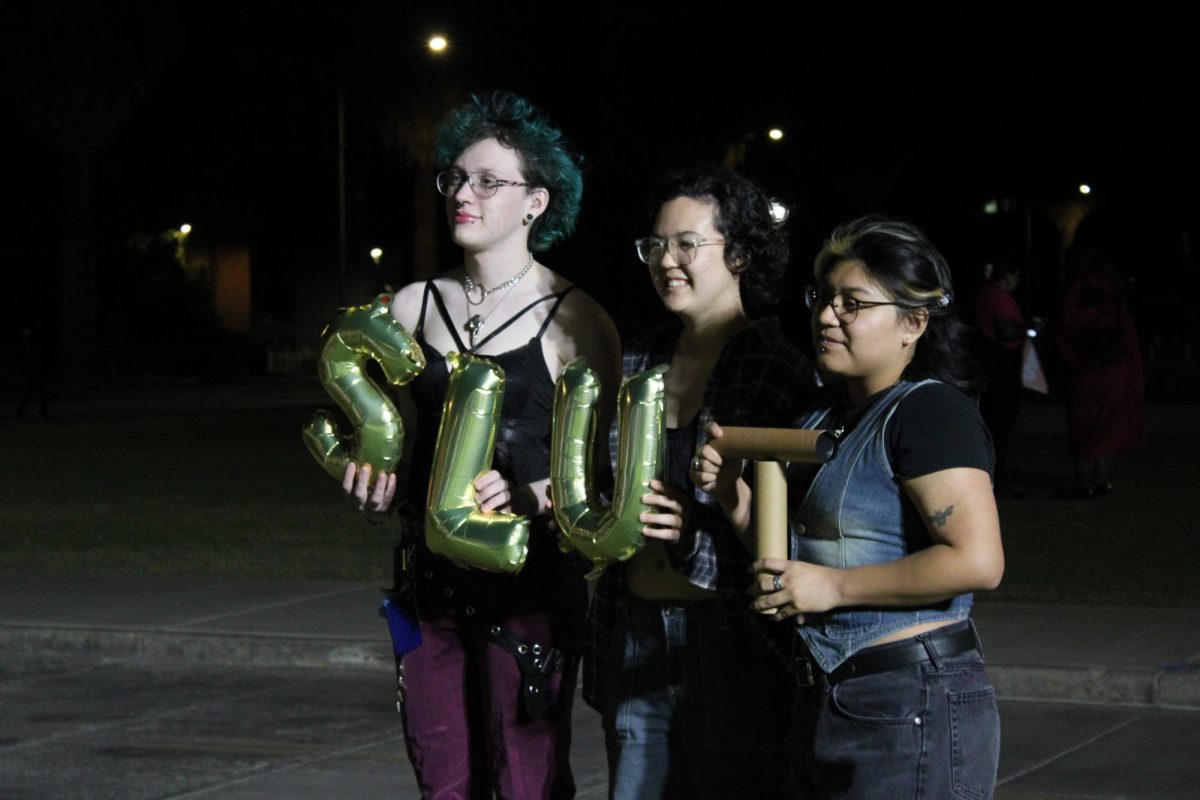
466, 732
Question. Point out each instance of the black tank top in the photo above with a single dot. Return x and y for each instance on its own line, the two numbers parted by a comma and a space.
523, 435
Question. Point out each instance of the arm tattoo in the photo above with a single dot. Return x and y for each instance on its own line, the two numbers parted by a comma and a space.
938, 517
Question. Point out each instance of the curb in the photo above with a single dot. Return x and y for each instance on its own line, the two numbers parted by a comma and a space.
1177, 686
1134, 687
158, 646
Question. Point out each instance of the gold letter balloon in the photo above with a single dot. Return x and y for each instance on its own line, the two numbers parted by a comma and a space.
355, 335
605, 533
454, 525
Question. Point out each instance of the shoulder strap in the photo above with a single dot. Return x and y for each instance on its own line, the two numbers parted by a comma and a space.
424, 302
441, 306
516, 317
554, 310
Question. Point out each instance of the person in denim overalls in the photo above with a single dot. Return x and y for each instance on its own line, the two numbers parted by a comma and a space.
889, 538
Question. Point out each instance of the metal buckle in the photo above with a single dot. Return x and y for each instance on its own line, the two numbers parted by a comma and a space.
804, 673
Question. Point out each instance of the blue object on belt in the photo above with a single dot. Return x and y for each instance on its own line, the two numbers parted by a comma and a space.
406, 632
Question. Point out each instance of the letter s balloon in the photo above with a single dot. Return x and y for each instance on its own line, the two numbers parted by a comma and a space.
355, 335
454, 525
605, 533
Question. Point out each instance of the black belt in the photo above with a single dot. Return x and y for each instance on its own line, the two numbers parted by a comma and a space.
921, 650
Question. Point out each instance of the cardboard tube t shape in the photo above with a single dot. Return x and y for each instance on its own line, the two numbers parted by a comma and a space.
800, 445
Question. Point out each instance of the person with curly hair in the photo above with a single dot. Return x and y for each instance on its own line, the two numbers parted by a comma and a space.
889, 538
477, 720
676, 662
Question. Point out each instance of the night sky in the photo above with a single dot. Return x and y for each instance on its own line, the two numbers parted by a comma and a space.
225, 117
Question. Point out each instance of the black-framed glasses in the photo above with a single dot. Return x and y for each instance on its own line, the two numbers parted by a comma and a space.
482, 184
651, 249
845, 307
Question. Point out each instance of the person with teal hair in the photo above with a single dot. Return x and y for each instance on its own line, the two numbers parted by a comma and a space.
546, 159
486, 697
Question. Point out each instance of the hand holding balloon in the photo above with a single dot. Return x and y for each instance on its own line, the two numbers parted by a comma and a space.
356, 482
356, 335
667, 517
493, 492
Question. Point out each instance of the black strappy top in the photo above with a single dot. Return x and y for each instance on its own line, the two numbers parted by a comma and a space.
523, 436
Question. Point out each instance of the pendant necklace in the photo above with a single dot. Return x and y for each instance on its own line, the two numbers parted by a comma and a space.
476, 321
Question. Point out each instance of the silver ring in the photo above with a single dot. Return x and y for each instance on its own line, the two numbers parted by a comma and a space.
778, 584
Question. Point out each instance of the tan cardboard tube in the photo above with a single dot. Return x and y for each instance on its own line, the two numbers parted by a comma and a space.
770, 509
775, 444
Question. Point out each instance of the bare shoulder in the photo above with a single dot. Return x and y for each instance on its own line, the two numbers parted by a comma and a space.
581, 307
406, 304
585, 324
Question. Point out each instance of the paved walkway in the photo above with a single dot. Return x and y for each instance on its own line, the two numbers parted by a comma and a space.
1137, 656
244, 691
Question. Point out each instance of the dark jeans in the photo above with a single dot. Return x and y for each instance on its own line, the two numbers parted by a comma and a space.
922, 731
694, 709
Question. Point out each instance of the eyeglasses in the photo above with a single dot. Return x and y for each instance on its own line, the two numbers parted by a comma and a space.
482, 184
651, 249
845, 307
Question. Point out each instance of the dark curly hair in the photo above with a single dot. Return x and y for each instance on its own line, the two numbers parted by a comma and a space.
756, 246
911, 271
547, 160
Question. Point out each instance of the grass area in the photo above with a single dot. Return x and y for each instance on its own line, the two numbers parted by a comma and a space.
211, 495
236, 495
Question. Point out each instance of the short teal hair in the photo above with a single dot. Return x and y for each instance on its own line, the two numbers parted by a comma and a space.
547, 160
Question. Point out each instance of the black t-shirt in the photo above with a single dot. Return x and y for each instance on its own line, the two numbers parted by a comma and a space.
935, 427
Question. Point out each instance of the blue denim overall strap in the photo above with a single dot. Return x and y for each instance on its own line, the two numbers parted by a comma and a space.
854, 514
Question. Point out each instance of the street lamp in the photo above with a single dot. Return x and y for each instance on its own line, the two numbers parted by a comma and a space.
775, 134
437, 43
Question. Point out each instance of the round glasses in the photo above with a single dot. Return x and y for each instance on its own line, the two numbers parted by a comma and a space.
482, 184
652, 249
845, 307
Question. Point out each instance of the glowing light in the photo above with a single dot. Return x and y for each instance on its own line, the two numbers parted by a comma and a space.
376, 254
185, 229
437, 43
775, 134
1085, 189
779, 212
991, 207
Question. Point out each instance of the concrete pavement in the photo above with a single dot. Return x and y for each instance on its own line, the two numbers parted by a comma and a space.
155, 688
1135, 656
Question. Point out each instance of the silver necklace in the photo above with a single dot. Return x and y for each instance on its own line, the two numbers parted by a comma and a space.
469, 285
475, 322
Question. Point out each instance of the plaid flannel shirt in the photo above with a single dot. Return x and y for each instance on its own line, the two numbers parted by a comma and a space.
760, 380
